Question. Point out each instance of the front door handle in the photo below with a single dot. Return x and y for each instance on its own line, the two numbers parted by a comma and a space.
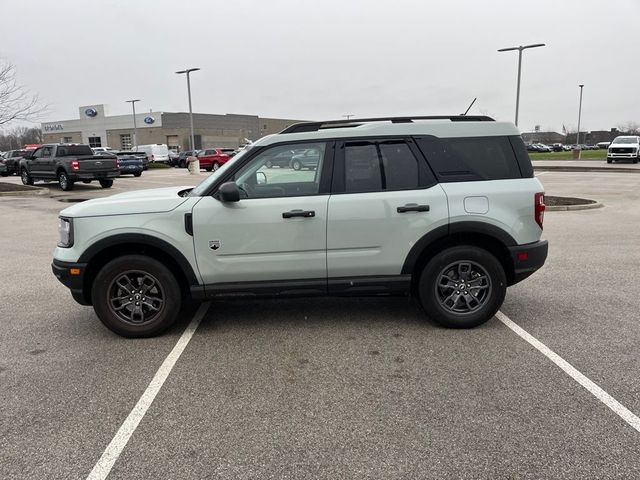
413, 207
299, 213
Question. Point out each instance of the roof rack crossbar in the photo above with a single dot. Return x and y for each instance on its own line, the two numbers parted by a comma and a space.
355, 122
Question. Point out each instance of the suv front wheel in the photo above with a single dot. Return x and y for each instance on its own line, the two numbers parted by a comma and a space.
136, 296
462, 287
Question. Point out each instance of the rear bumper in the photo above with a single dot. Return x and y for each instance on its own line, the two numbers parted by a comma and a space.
527, 259
93, 175
74, 282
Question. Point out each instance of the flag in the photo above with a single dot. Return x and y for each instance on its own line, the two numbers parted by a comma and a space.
564, 129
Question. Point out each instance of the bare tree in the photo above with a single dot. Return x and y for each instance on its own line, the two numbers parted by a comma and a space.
630, 128
16, 103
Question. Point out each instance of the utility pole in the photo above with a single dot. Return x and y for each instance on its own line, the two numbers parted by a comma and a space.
135, 128
188, 71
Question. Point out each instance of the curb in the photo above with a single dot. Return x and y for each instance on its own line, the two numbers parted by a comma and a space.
564, 208
567, 168
26, 192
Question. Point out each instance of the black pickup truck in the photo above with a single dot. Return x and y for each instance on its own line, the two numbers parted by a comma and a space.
68, 163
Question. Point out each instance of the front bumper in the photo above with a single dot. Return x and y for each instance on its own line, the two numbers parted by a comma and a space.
527, 259
71, 275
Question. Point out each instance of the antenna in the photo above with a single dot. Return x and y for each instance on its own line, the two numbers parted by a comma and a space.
467, 110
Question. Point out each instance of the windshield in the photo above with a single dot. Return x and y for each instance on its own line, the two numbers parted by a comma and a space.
626, 140
207, 182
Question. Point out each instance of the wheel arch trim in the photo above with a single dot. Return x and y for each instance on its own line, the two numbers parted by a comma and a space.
449, 231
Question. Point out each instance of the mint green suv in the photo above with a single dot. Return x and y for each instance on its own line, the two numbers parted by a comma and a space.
443, 208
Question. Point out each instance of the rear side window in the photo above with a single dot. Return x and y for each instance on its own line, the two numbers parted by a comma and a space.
520, 150
385, 165
470, 158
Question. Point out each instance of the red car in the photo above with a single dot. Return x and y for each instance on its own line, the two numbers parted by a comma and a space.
214, 158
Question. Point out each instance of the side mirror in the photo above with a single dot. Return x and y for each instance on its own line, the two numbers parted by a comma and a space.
229, 192
261, 178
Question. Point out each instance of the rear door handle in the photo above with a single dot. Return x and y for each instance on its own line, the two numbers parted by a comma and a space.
299, 213
413, 207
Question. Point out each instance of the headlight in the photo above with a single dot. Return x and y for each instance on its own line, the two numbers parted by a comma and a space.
65, 229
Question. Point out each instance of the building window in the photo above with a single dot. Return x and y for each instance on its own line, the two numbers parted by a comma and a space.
125, 141
67, 139
95, 142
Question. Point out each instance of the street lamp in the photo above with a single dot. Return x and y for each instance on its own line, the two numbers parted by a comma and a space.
188, 71
348, 116
135, 128
579, 118
520, 49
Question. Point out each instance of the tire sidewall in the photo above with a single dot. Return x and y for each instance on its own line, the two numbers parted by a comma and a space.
431, 272
168, 282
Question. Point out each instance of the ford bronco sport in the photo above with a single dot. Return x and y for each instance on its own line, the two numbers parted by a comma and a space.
443, 208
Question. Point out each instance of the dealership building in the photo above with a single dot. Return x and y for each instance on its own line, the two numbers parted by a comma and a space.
99, 129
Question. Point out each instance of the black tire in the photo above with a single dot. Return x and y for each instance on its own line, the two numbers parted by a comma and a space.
26, 178
182, 164
4, 174
208, 169
63, 180
296, 165
137, 174
609, 161
106, 183
107, 296
635, 160
215, 166
86, 181
489, 287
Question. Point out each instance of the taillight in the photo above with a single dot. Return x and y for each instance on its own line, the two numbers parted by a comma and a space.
538, 200
75, 164
118, 163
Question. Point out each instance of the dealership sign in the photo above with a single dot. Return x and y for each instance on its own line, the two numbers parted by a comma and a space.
53, 127
91, 112
149, 120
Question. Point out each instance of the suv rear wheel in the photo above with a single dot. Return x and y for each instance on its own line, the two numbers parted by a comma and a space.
462, 287
107, 183
136, 296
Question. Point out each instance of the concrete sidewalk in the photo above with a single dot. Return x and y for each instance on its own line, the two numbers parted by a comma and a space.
585, 165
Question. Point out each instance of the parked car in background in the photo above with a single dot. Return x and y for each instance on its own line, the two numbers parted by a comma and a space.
281, 159
68, 163
557, 147
173, 156
102, 149
307, 159
603, 145
130, 163
214, 158
181, 161
156, 152
624, 148
11, 161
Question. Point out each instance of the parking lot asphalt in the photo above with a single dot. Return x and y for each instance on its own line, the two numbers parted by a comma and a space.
332, 388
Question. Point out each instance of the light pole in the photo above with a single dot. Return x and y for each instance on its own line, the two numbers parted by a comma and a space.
135, 128
188, 71
520, 49
579, 118
348, 116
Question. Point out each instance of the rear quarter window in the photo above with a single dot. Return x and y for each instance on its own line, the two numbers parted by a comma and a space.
466, 159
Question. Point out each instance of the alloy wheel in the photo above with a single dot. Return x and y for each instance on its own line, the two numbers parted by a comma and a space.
463, 287
136, 297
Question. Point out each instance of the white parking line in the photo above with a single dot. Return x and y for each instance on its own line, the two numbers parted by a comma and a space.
570, 370
541, 173
114, 449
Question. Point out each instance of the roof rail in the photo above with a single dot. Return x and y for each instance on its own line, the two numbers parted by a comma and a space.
356, 122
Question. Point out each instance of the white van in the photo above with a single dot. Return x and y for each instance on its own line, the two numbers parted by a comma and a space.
156, 152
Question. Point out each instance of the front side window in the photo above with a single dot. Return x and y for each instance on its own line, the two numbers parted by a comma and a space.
46, 152
256, 180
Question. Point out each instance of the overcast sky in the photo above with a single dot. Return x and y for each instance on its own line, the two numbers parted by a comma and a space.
320, 59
